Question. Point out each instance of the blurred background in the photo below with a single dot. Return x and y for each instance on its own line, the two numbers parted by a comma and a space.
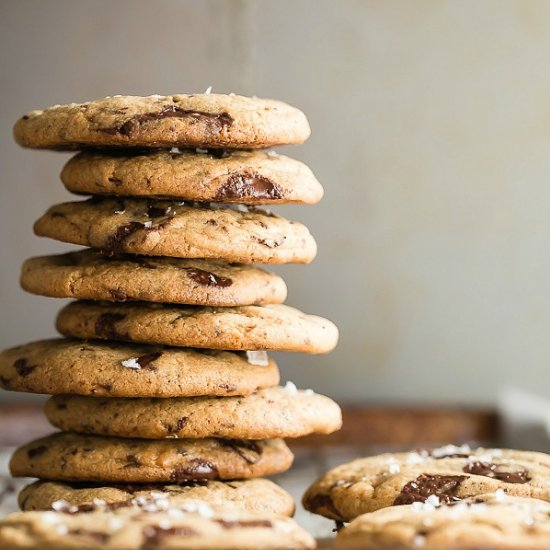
431, 136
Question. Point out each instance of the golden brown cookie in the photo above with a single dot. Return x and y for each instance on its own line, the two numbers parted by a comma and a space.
488, 522
266, 414
277, 327
450, 473
171, 228
252, 495
88, 275
129, 370
244, 177
66, 456
196, 120
192, 526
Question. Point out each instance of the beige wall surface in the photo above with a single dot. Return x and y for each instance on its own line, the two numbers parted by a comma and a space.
431, 135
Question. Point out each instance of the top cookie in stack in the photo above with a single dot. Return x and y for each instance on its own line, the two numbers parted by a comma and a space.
174, 230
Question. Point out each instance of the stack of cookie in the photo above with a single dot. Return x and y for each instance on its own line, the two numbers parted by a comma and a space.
162, 382
447, 498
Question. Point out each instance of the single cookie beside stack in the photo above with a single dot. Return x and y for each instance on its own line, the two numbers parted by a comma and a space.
162, 381
455, 498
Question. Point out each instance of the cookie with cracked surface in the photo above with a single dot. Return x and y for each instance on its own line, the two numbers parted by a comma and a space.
252, 495
170, 228
61, 366
268, 413
195, 120
450, 473
492, 522
244, 177
277, 327
193, 525
88, 275
66, 456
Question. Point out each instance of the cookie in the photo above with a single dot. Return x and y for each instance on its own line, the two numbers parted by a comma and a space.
88, 275
170, 228
450, 473
245, 177
269, 413
491, 522
279, 327
198, 120
66, 456
192, 526
252, 495
129, 370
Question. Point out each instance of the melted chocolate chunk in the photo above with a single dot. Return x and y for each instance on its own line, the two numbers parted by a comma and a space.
425, 485
118, 295
115, 181
250, 451
115, 243
154, 535
252, 185
197, 469
239, 523
22, 367
206, 278
214, 122
502, 472
105, 326
179, 425
145, 361
6, 382
37, 451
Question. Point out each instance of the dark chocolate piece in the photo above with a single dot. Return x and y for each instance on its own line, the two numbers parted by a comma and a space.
22, 367
37, 451
145, 361
207, 278
105, 326
252, 185
425, 485
250, 451
214, 122
508, 473
197, 469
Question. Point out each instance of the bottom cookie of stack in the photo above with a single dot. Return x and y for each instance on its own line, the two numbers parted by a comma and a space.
194, 524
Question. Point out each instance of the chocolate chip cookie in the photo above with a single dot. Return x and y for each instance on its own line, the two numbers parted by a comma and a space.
89, 275
276, 327
129, 370
251, 495
193, 525
66, 456
266, 414
245, 177
171, 228
495, 522
197, 120
450, 473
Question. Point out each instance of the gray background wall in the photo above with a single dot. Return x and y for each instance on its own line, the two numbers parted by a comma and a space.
431, 134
